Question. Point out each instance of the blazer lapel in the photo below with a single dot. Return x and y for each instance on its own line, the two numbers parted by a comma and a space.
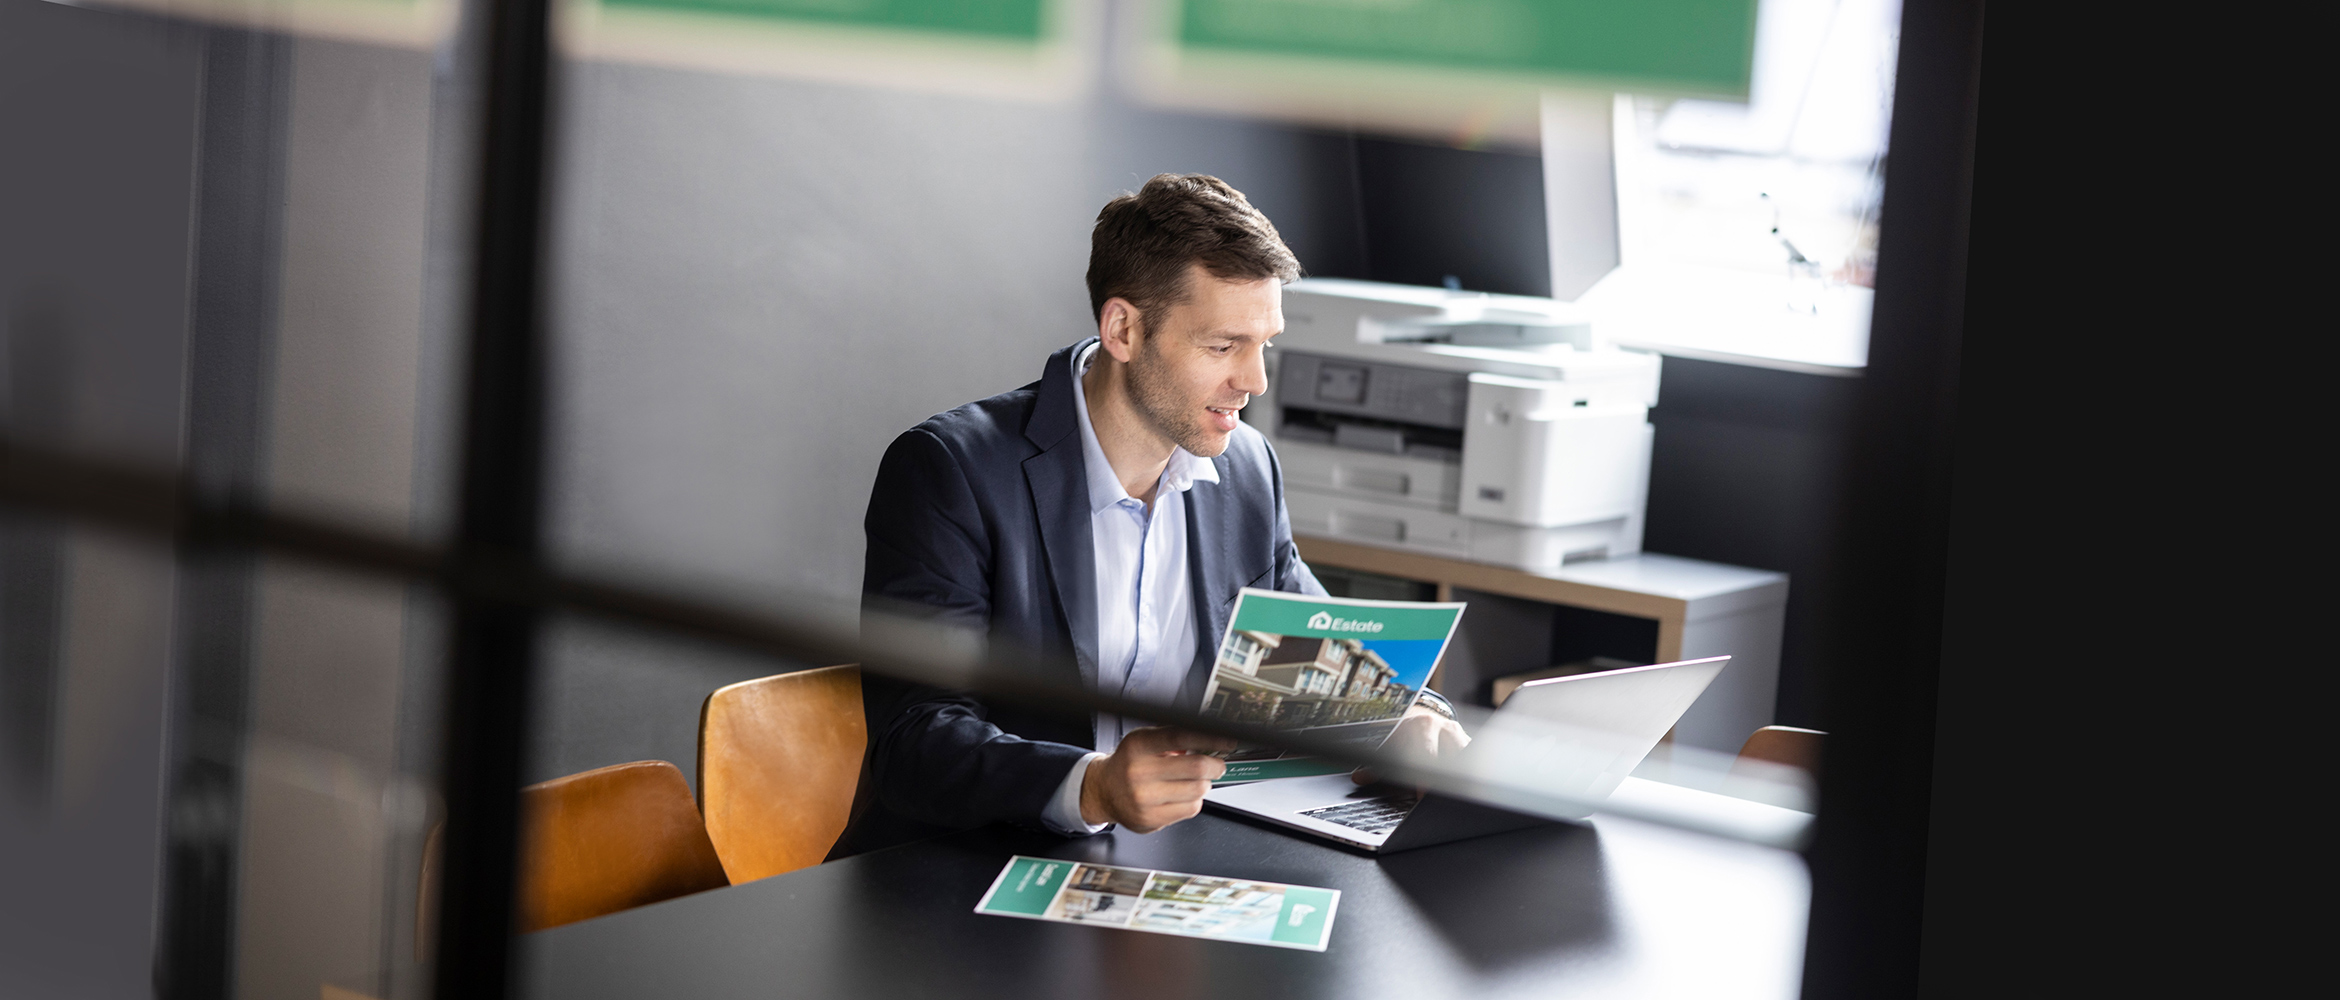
1207, 521
1058, 478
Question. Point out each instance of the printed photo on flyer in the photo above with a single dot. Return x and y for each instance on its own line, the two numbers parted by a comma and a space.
1334, 667
1158, 902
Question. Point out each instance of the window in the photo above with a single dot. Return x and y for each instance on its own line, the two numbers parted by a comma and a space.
1751, 229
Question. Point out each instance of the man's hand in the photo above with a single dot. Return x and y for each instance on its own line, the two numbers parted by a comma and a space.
1156, 777
1421, 733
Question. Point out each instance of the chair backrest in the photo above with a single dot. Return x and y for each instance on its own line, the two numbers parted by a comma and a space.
779, 759
610, 839
1788, 745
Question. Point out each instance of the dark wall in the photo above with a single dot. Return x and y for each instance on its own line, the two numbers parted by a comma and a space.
1330, 241
1746, 470
1303, 180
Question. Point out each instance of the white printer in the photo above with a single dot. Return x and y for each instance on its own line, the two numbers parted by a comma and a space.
1483, 427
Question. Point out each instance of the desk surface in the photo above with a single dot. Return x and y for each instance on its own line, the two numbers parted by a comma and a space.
1644, 583
1619, 908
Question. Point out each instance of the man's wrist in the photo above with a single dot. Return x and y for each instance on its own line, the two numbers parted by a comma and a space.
1063, 813
1092, 799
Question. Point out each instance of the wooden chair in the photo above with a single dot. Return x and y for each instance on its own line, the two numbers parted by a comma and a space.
610, 839
779, 759
1787, 745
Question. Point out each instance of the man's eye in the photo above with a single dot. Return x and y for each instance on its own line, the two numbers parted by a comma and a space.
1222, 349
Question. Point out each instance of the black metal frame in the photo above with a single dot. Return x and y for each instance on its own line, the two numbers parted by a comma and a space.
1881, 665
1868, 859
231, 334
499, 527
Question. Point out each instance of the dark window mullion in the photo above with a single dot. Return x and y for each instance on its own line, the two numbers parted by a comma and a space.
492, 650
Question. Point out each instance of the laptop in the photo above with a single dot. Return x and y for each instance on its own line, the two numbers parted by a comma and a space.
1585, 731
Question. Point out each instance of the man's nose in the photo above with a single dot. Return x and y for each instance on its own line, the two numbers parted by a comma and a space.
1252, 377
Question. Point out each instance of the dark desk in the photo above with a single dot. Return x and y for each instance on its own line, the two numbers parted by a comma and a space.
1617, 909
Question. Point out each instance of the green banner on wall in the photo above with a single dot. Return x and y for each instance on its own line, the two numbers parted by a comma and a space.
1694, 46
1001, 19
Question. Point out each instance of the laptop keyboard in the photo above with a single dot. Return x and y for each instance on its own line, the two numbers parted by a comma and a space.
1379, 815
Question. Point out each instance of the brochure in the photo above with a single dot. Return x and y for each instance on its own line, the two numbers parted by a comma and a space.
1333, 666
1140, 899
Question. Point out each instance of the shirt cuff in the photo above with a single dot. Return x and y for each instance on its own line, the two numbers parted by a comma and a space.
1063, 813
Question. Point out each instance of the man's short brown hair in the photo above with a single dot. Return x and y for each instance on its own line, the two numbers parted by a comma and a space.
1144, 241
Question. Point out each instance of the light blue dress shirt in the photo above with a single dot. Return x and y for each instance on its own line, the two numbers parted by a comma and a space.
1145, 595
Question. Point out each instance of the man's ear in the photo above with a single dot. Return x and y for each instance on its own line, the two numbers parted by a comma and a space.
1118, 327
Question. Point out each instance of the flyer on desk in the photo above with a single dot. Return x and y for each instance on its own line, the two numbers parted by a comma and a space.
1333, 666
1141, 899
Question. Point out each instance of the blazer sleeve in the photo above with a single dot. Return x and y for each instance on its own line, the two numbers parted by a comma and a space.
933, 755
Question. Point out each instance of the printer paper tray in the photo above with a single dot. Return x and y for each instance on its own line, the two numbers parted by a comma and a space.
1407, 528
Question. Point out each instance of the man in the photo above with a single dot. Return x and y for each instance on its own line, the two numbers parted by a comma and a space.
1103, 519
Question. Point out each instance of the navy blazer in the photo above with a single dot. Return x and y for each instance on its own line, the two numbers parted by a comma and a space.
980, 519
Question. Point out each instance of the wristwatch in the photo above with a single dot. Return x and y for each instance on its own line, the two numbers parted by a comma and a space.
1436, 702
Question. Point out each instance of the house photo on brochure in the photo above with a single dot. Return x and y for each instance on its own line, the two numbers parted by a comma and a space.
1334, 667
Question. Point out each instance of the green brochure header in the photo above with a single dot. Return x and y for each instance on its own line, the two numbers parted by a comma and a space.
1278, 767
1293, 614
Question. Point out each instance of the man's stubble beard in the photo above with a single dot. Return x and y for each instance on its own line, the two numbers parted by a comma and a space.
1156, 397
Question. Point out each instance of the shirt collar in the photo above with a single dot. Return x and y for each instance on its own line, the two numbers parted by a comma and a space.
1185, 468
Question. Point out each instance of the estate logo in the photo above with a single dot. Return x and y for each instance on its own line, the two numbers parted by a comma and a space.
1324, 622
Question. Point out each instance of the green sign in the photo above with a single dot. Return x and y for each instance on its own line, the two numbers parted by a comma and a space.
1703, 46
1019, 20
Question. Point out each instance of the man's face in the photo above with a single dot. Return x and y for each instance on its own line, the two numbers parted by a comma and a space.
1201, 360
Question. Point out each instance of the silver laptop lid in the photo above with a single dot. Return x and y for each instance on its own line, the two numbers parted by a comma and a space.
1580, 735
